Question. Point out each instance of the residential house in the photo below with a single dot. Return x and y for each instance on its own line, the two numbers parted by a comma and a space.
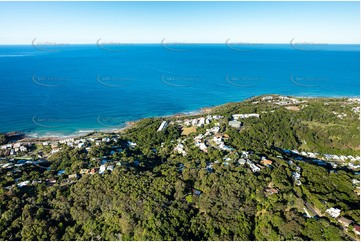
162, 126
235, 124
61, 172
54, 145
50, 181
242, 161
132, 144
356, 229
266, 162
93, 171
106, 139
73, 176
23, 184
270, 191
197, 192
344, 221
54, 150
238, 116
334, 212
102, 169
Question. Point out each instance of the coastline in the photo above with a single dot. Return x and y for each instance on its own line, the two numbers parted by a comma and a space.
130, 124
81, 133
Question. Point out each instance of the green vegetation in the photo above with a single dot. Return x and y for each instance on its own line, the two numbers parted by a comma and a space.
154, 193
2, 139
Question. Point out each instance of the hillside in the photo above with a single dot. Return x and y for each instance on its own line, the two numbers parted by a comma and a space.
268, 168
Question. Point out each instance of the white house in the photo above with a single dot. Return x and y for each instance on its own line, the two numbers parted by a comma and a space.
162, 126
333, 212
235, 124
102, 169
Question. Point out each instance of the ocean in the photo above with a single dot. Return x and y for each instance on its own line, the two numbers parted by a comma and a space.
59, 90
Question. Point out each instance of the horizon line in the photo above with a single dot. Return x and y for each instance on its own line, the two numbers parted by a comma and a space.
178, 43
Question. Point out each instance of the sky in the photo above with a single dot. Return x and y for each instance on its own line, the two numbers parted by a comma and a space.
183, 22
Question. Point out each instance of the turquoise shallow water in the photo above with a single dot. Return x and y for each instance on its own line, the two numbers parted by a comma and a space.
64, 90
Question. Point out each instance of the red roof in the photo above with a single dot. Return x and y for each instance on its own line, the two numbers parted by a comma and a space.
357, 227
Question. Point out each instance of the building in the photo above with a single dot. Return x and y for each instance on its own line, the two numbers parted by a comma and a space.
344, 221
242, 161
356, 229
235, 124
253, 167
93, 170
61, 172
333, 212
50, 181
102, 169
162, 126
266, 162
54, 150
132, 144
73, 176
247, 115
270, 191
24, 183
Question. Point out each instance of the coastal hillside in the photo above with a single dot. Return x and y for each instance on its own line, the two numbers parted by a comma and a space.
268, 168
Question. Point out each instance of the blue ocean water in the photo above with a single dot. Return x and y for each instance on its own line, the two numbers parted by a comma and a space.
63, 90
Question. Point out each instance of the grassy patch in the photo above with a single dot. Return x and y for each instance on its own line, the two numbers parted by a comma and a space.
189, 130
